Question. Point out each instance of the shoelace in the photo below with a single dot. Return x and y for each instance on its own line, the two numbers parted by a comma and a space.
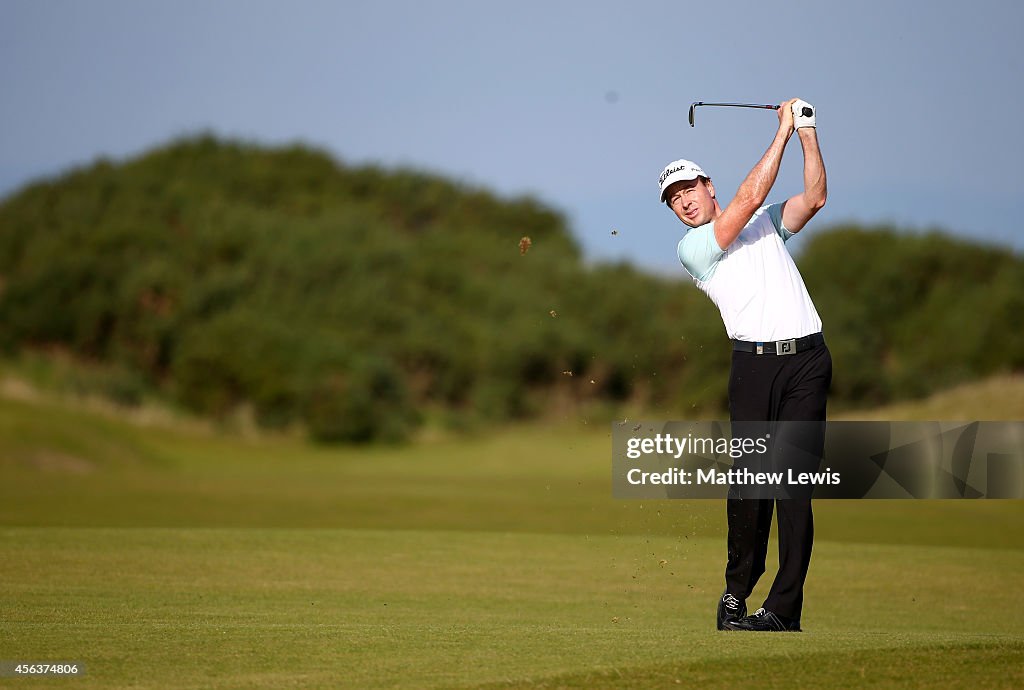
731, 601
770, 617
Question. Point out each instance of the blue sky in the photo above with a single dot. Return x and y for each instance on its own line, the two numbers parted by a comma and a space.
578, 103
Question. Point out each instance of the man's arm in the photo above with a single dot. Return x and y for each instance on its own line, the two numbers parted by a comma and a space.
802, 207
754, 190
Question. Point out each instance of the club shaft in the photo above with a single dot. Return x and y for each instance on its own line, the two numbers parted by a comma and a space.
741, 105
694, 105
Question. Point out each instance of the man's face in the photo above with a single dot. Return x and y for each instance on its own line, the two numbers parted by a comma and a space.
693, 201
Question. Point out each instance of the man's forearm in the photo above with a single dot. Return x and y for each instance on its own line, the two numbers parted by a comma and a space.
759, 181
815, 185
755, 188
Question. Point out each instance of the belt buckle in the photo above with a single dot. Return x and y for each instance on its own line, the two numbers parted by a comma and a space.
785, 347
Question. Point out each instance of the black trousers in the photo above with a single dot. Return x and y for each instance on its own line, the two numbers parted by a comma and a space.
765, 388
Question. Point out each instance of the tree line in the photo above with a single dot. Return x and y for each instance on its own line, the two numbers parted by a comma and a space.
359, 301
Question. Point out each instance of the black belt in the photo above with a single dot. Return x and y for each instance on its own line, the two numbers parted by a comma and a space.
780, 347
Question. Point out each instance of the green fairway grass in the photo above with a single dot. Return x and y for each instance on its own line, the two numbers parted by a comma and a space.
433, 608
429, 608
176, 556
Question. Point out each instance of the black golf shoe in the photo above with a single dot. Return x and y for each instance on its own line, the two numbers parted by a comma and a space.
766, 621
730, 610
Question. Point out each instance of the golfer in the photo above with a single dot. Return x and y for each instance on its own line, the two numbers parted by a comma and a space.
781, 368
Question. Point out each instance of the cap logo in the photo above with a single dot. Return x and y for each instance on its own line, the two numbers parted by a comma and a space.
671, 171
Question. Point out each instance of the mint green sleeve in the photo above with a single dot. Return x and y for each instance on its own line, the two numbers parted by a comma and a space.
775, 213
699, 252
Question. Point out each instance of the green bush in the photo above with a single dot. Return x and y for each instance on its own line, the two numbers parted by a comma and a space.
366, 402
351, 299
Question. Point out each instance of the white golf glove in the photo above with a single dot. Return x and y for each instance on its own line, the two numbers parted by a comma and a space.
799, 119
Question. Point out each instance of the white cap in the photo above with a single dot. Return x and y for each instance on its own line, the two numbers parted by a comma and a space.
675, 171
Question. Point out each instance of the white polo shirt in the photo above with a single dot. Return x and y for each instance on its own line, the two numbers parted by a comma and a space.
754, 283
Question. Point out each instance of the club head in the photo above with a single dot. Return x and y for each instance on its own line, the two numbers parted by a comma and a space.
692, 106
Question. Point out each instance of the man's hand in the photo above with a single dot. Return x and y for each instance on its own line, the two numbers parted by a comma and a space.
785, 111
799, 119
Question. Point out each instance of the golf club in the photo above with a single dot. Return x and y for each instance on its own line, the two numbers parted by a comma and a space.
807, 112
